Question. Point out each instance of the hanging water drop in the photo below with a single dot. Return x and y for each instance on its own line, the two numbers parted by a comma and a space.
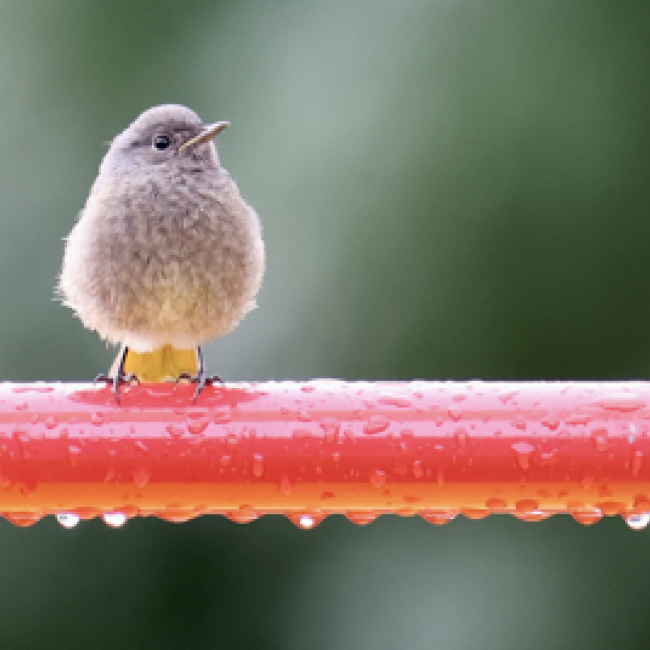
586, 516
438, 517
361, 518
67, 519
307, 521
243, 515
638, 522
114, 519
532, 515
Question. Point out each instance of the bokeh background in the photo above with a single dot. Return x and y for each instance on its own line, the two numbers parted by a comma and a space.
449, 189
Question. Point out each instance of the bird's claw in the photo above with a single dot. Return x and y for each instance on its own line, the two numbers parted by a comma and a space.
114, 382
200, 379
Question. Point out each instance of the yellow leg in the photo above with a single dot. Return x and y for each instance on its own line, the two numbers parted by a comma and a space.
163, 364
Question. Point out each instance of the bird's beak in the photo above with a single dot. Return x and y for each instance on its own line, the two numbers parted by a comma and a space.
207, 133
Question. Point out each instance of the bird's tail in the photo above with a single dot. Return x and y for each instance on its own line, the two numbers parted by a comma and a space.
163, 364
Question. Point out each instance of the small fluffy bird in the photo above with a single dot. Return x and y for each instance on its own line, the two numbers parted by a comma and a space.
166, 254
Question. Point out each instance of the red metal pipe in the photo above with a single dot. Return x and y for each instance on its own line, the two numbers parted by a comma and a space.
311, 449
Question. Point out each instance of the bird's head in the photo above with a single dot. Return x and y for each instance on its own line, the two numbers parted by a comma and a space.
171, 136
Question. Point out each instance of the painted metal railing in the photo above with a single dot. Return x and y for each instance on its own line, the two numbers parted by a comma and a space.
307, 450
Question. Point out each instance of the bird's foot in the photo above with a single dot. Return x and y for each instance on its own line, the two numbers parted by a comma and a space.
201, 379
119, 378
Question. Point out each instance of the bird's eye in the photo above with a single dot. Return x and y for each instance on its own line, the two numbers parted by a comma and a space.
161, 142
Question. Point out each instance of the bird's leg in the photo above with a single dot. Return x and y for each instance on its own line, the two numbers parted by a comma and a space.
201, 378
119, 377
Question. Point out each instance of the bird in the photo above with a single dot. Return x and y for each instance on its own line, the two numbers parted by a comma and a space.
165, 254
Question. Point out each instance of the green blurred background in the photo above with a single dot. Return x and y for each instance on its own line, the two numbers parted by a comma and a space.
449, 189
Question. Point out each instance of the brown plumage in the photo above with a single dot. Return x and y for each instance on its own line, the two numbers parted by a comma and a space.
166, 254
